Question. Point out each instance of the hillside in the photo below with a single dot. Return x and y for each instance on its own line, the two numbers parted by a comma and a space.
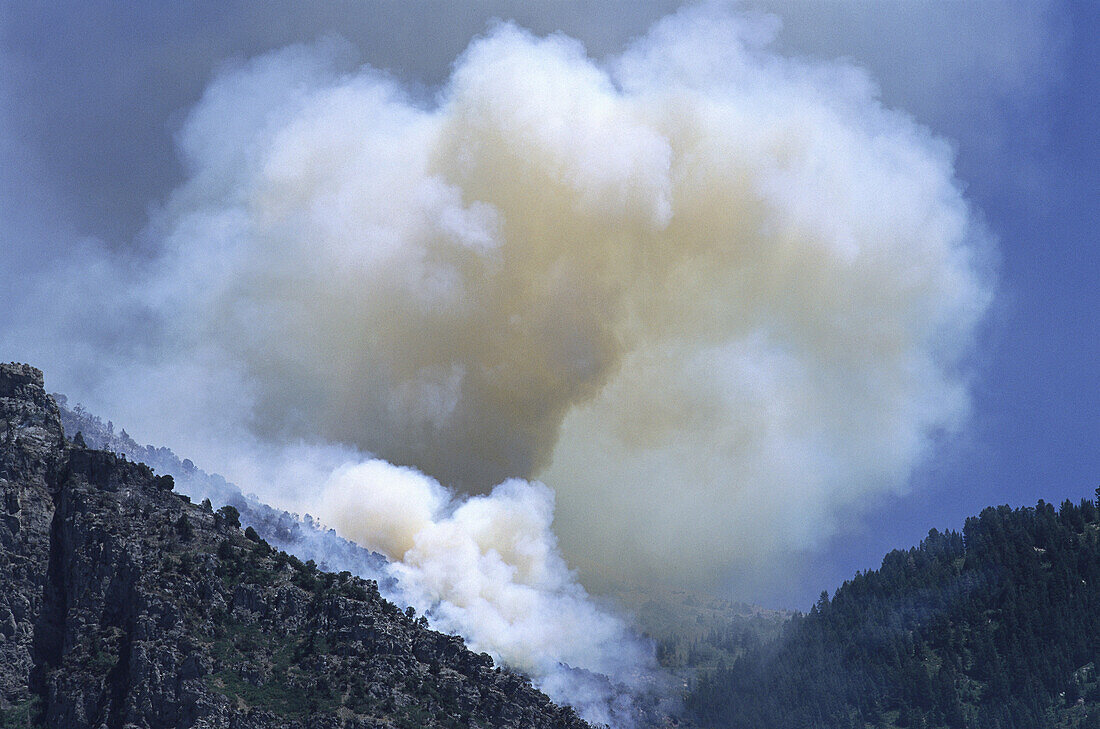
695, 630
122, 604
994, 628
301, 536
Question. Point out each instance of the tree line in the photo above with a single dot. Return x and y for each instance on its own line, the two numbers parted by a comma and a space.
994, 628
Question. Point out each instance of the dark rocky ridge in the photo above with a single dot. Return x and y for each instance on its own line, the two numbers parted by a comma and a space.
123, 605
303, 537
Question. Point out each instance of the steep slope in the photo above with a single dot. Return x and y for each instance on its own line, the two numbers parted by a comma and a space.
300, 536
694, 631
124, 605
996, 627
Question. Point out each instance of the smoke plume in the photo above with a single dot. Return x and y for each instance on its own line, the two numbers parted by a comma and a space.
487, 567
711, 296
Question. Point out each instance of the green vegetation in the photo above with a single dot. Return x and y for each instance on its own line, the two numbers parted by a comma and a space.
102, 660
20, 716
184, 529
241, 649
245, 566
271, 671
700, 632
227, 516
695, 632
130, 605
994, 628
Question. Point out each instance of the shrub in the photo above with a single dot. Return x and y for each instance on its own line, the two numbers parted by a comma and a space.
21, 715
183, 528
229, 516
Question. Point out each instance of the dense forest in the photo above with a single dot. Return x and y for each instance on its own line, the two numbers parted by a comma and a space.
993, 628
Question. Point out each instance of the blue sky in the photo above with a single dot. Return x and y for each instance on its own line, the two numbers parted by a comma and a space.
1035, 433
91, 97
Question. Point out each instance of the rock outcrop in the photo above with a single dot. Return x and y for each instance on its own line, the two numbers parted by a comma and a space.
124, 606
303, 537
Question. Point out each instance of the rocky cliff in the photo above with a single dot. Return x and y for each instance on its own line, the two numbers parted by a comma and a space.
123, 605
303, 537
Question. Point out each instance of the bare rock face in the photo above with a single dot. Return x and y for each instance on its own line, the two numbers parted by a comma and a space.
124, 606
31, 449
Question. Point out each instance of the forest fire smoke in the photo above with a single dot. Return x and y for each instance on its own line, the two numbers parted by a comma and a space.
700, 269
711, 296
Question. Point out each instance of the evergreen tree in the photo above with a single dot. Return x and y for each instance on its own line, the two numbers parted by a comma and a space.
998, 627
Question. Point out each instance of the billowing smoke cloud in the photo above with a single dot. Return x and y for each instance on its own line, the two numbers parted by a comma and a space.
710, 295
713, 297
486, 567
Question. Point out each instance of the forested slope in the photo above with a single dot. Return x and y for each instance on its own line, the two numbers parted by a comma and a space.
996, 627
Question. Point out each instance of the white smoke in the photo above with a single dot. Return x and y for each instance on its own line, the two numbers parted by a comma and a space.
486, 567
713, 297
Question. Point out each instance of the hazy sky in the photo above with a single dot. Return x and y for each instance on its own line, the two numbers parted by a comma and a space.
93, 97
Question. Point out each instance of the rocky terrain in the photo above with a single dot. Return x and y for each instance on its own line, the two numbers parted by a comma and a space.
124, 605
301, 536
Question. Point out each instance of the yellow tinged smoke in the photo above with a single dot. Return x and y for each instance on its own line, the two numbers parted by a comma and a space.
713, 297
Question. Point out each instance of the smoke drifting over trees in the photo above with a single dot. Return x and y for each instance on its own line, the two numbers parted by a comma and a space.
701, 270
711, 296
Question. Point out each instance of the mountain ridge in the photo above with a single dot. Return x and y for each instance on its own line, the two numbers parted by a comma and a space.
303, 536
993, 627
125, 606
